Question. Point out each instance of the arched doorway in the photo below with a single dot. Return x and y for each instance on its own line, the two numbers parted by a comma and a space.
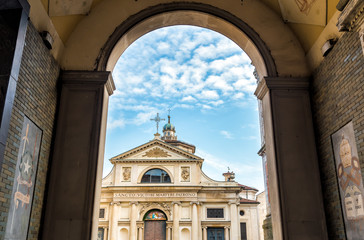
155, 225
283, 90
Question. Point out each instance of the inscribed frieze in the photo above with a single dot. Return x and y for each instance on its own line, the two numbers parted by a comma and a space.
155, 195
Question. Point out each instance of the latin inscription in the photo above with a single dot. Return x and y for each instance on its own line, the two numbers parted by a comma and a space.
153, 195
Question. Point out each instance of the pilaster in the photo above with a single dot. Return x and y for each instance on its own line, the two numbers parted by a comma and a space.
293, 174
133, 219
194, 220
176, 209
76, 167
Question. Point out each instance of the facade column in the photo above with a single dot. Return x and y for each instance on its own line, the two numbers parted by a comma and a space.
204, 233
133, 219
106, 233
291, 158
169, 229
194, 220
234, 230
176, 220
140, 235
114, 221
226, 232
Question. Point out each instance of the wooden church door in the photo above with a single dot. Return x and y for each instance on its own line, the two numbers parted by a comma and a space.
215, 233
155, 225
155, 230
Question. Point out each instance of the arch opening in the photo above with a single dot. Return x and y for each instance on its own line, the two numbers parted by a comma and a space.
199, 15
156, 175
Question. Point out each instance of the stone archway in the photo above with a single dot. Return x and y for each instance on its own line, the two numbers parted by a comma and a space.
283, 91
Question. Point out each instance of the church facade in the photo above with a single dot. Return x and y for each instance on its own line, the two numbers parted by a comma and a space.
159, 191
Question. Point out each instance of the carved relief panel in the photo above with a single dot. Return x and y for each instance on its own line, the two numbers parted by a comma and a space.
126, 175
185, 174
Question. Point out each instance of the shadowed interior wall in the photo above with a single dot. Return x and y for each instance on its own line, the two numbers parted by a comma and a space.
36, 98
337, 98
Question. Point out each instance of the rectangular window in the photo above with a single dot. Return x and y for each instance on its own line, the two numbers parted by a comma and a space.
102, 213
243, 231
215, 213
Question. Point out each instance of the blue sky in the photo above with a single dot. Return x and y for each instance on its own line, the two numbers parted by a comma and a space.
207, 81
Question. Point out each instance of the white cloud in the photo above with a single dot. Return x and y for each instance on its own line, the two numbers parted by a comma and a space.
209, 94
163, 47
226, 134
188, 99
219, 83
179, 65
216, 103
238, 96
118, 123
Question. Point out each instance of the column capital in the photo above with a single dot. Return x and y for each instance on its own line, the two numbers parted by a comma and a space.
281, 83
89, 77
115, 203
178, 203
227, 227
237, 203
195, 202
134, 203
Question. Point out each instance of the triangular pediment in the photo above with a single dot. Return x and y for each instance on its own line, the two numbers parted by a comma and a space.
156, 149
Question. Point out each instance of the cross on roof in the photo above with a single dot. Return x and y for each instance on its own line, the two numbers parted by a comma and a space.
157, 119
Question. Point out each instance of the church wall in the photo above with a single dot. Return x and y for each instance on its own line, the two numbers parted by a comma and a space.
36, 98
250, 217
337, 98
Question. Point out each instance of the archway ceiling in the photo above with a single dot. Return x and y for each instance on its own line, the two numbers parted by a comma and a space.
66, 14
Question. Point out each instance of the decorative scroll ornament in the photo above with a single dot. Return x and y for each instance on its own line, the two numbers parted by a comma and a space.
163, 206
156, 152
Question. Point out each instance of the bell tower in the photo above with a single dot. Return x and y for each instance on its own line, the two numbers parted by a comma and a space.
169, 131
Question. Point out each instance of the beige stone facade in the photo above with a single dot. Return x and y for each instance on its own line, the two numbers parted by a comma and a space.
193, 203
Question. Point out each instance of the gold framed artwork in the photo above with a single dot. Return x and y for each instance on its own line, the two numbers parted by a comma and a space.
350, 181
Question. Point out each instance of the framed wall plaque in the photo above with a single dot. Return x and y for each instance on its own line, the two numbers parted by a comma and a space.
24, 182
350, 181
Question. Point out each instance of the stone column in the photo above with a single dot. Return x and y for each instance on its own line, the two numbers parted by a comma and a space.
133, 219
194, 220
293, 172
114, 221
106, 233
234, 230
204, 233
169, 229
140, 235
226, 232
78, 155
176, 220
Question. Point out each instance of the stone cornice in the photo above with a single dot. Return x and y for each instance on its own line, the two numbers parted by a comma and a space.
152, 144
351, 16
155, 160
281, 83
261, 90
89, 77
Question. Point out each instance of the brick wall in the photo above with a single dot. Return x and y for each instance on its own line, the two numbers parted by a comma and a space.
36, 97
337, 98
